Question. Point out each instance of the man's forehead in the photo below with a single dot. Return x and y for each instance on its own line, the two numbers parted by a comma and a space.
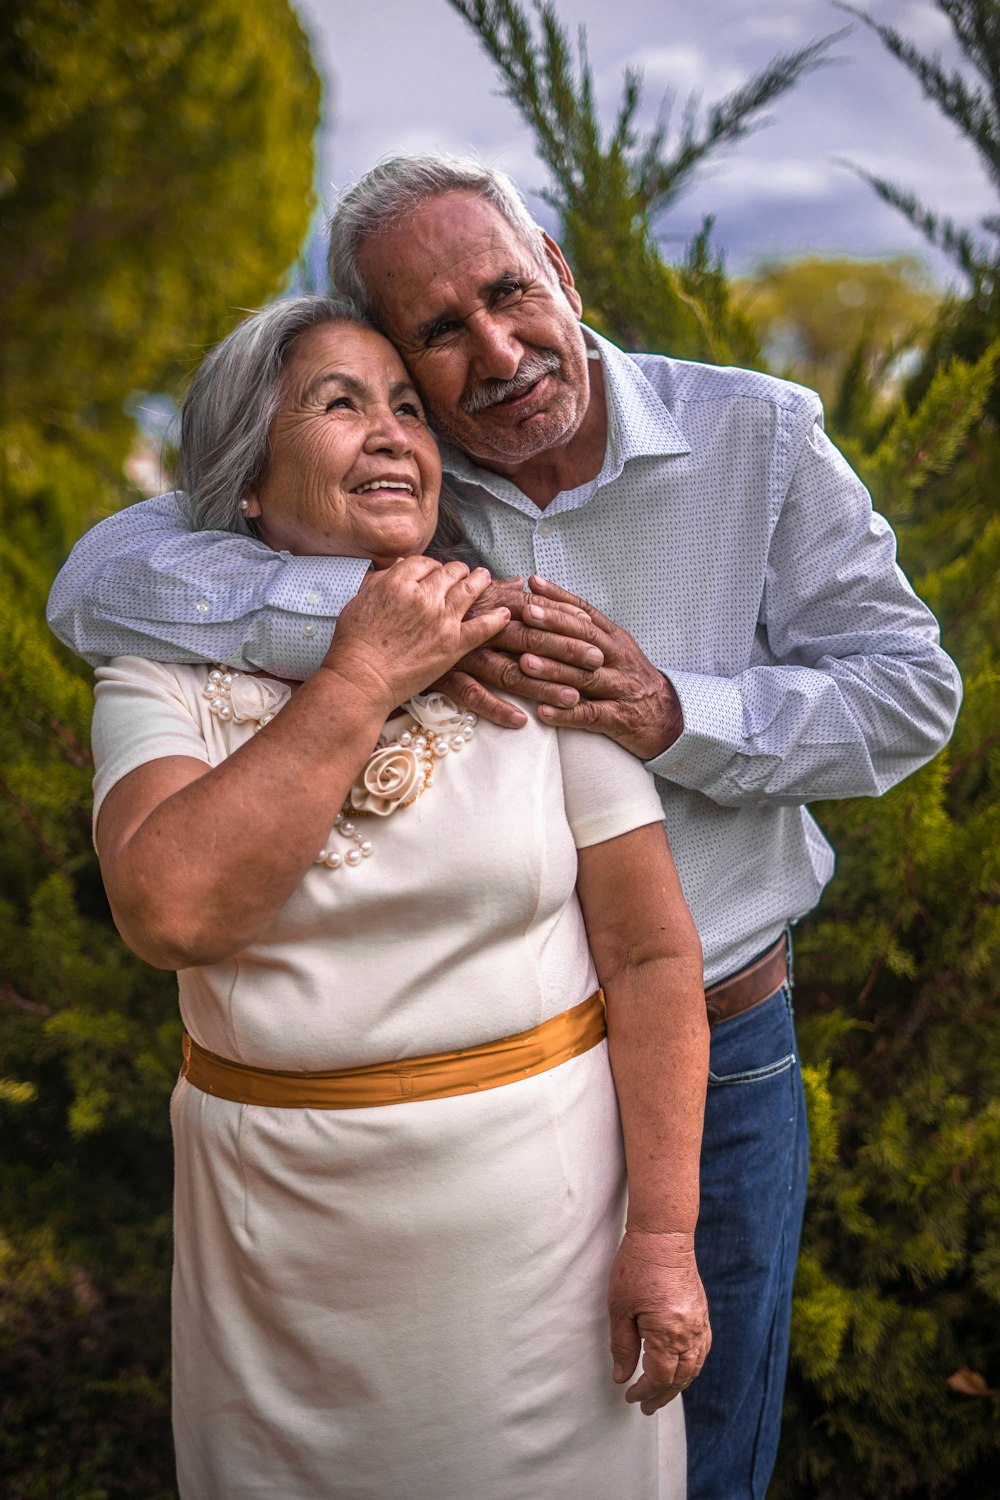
450, 248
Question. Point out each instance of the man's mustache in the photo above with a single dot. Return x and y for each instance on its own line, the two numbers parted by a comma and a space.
492, 392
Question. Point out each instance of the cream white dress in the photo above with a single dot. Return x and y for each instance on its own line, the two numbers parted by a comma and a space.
405, 1302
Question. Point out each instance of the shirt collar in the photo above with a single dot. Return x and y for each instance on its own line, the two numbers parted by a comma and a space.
639, 426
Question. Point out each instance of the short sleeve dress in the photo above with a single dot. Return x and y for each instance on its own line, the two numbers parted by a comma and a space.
405, 1302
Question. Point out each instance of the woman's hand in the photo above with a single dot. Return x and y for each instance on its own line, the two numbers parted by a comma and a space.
656, 1304
407, 626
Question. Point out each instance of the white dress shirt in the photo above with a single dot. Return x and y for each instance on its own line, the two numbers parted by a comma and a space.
724, 532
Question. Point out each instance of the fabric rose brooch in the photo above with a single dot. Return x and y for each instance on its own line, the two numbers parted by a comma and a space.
243, 699
399, 770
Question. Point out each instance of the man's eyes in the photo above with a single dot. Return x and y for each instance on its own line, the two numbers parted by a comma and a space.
441, 329
501, 295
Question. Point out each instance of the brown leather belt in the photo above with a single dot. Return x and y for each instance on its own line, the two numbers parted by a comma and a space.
751, 986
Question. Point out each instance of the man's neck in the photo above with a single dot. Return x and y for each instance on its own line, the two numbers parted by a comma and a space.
571, 464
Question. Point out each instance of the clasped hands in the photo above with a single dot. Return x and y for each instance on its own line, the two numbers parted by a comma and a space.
583, 670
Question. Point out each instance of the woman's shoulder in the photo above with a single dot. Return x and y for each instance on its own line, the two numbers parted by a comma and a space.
170, 675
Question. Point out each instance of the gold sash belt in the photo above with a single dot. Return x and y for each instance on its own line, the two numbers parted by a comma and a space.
439, 1076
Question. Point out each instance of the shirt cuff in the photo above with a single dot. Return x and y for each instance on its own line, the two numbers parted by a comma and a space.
319, 586
713, 731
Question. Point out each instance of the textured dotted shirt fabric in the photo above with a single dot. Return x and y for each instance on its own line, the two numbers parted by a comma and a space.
724, 532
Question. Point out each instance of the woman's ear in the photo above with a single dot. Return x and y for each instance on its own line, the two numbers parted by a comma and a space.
250, 508
564, 275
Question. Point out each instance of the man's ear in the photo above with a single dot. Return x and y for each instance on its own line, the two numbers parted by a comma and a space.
557, 261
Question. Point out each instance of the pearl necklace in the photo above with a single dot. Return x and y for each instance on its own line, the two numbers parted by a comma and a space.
396, 774
410, 759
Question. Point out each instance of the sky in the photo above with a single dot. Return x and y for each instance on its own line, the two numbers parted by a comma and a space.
411, 75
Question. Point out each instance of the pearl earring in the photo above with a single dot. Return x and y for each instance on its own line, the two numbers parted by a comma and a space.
244, 506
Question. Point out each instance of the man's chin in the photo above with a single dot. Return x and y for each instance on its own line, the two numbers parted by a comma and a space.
491, 440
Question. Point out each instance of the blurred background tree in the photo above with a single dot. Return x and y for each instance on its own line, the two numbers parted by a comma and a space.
817, 318
156, 176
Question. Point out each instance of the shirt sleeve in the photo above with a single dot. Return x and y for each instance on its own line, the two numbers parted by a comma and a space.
140, 715
848, 690
141, 583
607, 791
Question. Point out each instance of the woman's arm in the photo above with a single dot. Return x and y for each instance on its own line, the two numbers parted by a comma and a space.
197, 861
649, 962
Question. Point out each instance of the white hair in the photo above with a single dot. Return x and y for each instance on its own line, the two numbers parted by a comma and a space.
233, 400
397, 187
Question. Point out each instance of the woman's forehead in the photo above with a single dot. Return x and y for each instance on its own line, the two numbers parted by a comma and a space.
346, 348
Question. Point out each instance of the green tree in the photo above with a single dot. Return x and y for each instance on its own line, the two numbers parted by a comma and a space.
969, 101
155, 175
820, 320
896, 1334
612, 188
972, 106
896, 1348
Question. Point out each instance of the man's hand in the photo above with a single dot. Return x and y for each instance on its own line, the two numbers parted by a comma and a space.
566, 636
656, 1304
626, 697
409, 623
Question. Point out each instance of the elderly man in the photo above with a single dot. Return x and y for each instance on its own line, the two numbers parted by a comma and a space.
745, 631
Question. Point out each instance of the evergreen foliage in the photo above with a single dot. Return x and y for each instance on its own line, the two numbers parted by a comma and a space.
896, 1336
612, 188
896, 1342
155, 176
821, 317
972, 106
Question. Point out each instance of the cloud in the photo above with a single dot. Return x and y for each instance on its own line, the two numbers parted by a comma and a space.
957, 186
686, 70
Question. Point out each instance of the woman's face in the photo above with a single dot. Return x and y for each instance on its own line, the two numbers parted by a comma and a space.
354, 470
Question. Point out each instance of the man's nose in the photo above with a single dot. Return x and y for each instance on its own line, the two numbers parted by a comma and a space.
496, 351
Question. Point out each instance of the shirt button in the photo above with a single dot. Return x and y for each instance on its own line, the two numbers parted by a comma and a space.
312, 597
544, 529
309, 628
202, 606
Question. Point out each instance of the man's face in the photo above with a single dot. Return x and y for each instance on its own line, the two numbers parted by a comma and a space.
491, 338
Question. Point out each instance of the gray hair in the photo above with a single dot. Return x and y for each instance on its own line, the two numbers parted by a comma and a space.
233, 399
398, 186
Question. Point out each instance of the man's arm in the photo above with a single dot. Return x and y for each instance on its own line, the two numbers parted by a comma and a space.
847, 690
142, 583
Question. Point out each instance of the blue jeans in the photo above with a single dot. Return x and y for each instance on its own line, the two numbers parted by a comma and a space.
754, 1171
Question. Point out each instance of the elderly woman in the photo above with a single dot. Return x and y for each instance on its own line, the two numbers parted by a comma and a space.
401, 1179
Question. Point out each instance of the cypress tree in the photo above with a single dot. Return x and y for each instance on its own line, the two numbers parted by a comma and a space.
155, 174
612, 188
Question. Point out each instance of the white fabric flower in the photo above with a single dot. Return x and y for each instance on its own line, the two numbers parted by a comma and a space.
435, 711
256, 697
391, 775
